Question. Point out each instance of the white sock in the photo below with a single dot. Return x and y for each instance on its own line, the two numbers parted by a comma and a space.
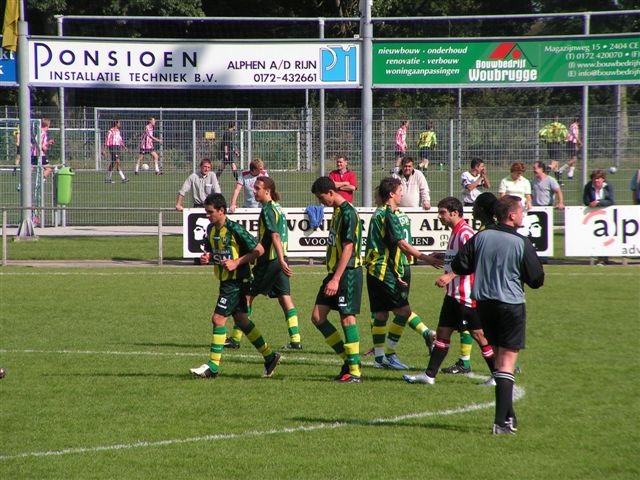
571, 172
563, 168
121, 174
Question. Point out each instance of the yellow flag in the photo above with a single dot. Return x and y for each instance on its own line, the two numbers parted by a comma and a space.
10, 26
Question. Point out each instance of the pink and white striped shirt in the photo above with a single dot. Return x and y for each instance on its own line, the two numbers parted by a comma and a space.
460, 287
401, 139
146, 143
114, 138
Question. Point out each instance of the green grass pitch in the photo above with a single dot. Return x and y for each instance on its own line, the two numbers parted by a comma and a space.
98, 385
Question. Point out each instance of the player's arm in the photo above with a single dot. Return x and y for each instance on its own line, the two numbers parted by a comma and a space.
249, 257
558, 193
532, 271
277, 244
179, 202
333, 284
445, 279
234, 198
434, 260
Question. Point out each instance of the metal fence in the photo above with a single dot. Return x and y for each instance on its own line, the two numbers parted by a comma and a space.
288, 140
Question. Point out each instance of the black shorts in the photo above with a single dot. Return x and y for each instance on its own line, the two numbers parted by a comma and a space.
554, 151
270, 280
503, 323
34, 160
425, 152
115, 153
573, 149
147, 151
227, 159
349, 297
232, 298
460, 317
384, 297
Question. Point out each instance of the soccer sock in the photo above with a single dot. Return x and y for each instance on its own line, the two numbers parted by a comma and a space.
236, 334
440, 350
332, 338
121, 174
466, 344
504, 396
291, 316
557, 174
378, 332
137, 168
217, 345
352, 348
256, 338
571, 172
415, 322
487, 354
395, 332
563, 168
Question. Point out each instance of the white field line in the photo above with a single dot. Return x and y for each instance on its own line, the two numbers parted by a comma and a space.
518, 393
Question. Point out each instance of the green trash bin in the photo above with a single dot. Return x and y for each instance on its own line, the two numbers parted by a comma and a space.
64, 176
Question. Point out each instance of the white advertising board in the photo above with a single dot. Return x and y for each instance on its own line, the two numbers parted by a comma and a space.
428, 234
129, 63
603, 232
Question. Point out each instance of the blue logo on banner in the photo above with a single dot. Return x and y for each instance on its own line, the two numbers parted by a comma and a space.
8, 68
338, 64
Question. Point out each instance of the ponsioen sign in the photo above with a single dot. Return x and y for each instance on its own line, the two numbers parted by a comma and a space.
127, 63
519, 62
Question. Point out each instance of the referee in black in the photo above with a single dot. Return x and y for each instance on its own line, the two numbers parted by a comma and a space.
503, 261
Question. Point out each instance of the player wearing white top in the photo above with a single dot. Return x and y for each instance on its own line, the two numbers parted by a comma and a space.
458, 310
247, 180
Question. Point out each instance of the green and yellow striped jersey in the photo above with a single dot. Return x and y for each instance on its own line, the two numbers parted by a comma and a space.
230, 241
405, 224
345, 227
383, 259
272, 220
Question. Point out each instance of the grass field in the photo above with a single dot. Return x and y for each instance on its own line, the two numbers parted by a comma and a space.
97, 386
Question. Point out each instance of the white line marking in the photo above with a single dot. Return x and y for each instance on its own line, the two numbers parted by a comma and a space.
519, 392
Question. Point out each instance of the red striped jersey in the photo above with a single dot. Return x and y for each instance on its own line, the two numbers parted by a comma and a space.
114, 138
146, 142
460, 287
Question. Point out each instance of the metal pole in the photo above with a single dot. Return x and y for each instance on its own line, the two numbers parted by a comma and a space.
616, 145
63, 151
451, 144
321, 106
160, 238
24, 99
194, 142
4, 238
585, 115
366, 33
459, 128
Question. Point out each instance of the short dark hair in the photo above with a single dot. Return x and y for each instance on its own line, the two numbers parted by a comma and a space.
506, 205
452, 204
217, 201
323, 185
205, 160
406, 160
598, 173
540, 164
484, 208
475, 161
387, 186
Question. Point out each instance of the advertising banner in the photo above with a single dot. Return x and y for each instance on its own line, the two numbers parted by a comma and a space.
517, 62
428, 234
127, 63
8, 68
602, 232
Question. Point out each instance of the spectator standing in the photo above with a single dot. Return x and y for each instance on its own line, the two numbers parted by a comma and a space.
555, 135
344, 178
635, 188
400, 148
201, 185
427, 142
474, 181
544, 188
517, 185
147, 146
247, 181
114, 144
416, 189
502, 262
598, 193
229, 151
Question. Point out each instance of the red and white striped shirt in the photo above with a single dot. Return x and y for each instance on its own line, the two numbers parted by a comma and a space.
146, 143
460, 287
401, 139
114, 138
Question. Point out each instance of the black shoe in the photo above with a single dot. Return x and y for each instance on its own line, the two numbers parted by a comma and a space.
270, 365
126, 180
159, 173
292, 346
231, 343
343, 371
457, 368
506, 430
136, 173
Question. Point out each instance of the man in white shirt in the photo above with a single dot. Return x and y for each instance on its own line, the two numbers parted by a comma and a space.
247, 180
474, 182
201, 184
416, 188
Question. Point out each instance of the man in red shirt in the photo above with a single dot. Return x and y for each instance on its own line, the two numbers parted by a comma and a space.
344, 178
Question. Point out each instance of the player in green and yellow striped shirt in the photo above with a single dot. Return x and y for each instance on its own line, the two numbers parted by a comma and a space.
341, 289
231, 249
388, 256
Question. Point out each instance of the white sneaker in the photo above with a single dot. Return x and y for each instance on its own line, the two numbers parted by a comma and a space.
489, 382
422, 378
203, 371
394, 363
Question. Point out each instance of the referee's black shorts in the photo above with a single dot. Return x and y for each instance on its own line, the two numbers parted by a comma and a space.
503, 323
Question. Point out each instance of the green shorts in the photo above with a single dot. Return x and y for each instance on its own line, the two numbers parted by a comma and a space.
269, 279
384, 297
232, 298
347, 300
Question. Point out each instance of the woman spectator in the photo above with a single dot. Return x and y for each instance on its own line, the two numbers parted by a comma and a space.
517, 185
